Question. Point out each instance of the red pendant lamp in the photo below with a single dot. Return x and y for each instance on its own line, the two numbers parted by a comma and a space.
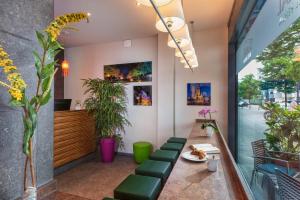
65, 68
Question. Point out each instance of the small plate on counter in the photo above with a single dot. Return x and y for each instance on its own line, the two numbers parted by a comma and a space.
188, 156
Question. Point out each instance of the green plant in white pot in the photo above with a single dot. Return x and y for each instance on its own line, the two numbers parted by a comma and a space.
107, 104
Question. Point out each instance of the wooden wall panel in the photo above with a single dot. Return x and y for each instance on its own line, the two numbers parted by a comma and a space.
74, 136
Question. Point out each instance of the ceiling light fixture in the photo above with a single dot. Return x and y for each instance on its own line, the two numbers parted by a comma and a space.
182, 37
171, 15
157, 2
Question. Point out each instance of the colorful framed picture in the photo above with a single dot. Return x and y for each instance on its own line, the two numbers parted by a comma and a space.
142, 95
199, 94
130, 72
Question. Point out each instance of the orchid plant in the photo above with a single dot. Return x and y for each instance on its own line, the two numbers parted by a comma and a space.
207, 112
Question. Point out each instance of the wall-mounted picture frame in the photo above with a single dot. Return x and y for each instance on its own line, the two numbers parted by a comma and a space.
199, 94
129, 72
142, 95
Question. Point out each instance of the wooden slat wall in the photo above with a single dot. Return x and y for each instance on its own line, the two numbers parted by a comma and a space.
74, 136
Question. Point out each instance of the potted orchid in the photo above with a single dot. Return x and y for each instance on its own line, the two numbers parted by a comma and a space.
209, 125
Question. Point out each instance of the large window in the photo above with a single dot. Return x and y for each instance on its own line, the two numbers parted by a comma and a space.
268, 96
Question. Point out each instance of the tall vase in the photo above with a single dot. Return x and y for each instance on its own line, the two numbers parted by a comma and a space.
30, 194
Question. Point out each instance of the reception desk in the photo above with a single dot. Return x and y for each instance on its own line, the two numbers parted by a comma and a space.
192, 181
74, 136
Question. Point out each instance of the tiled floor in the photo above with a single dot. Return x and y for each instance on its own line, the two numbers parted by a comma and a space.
94, 180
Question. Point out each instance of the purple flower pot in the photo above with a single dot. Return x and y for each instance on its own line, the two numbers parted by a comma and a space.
107, 149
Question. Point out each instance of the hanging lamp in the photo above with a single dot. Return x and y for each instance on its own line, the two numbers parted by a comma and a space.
172, 15
182, 37
158, 3
65, 67
188, 51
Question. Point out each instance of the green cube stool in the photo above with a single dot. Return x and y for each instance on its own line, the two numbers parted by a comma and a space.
165, 155
137, 187
177, 140
155, 168
172, 146
142, 151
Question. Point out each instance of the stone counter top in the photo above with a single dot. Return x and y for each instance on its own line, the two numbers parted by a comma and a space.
192, 181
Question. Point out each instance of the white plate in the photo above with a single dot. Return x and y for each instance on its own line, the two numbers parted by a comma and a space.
187, 155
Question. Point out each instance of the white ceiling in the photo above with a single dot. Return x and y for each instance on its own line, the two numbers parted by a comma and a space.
114, 20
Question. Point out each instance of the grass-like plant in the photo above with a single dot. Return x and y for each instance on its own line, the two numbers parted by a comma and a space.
45, 71
107, 104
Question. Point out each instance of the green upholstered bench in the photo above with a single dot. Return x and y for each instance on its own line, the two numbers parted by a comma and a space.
155, 168
165, 155
172, 146
141, 151
177, 140
137, 187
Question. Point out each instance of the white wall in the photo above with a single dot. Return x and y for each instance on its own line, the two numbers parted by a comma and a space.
156, 123
88, 62
211, 49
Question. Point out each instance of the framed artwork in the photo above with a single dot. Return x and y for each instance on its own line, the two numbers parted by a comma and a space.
199, 94
130, 72
142, 95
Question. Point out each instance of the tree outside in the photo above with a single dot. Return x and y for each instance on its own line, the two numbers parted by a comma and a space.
249, 87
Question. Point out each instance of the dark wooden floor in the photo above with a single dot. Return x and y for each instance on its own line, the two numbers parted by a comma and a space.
63, 196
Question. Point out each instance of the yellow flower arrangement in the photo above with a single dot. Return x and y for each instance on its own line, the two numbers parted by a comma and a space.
61, 22
45, 68
16, 85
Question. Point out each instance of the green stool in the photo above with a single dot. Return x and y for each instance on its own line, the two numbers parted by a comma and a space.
165, 155
137, 187
154, 168
141, 151
177, 140
172, 146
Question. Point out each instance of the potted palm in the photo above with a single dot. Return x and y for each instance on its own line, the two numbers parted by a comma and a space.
106, 102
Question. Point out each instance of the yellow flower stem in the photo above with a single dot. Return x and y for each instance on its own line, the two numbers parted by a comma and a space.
6, 85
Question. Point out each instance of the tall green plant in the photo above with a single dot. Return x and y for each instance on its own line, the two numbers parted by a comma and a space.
107, 103
283, 132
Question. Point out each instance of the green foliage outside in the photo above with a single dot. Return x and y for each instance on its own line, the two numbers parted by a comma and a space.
283, 132
278, 65
249, 87
107, 104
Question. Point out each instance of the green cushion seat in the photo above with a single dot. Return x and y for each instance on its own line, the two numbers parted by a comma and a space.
165, 155
142, 151
177, 140
137, 187
155, 168
172, 146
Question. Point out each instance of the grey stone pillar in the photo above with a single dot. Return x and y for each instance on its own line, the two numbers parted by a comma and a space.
19, 20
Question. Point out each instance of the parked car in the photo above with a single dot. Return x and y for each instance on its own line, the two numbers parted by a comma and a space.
243, 104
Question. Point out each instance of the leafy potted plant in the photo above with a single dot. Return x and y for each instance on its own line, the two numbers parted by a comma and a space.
209, 125
31, 104
107, 104
283, 128
283, 132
